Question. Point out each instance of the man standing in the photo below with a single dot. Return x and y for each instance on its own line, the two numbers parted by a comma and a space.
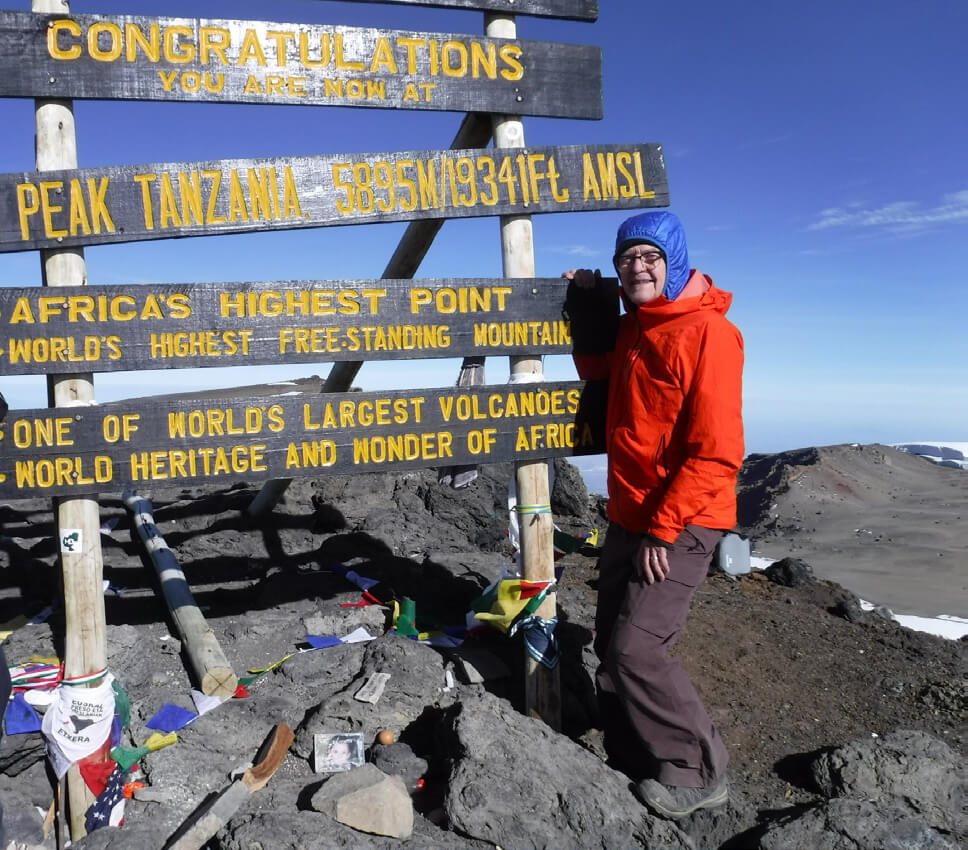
674, 365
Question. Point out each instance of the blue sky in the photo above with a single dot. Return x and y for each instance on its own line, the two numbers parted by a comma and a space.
815, 153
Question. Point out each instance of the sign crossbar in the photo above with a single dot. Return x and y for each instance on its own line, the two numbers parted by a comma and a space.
197, 325
93, 206
204, 60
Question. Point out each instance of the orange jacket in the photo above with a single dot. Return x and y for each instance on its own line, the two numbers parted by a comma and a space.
674, 423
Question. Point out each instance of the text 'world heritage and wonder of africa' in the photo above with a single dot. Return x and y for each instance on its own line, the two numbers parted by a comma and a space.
105, 448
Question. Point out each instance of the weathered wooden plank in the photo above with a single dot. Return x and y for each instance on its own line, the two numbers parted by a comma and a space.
573, 10
167, 200
220, 441
231, 61
174, 326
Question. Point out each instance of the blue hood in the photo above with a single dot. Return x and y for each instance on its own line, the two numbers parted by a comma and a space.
664, 230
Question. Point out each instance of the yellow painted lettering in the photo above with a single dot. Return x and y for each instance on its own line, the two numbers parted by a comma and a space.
167, 206
340, 62
113, 33
290, 197
47, 208
511, 55
79, 222
144, 180
383, 58
134, 38
54, 29
251, 49
25, 207
590, 186
238, 211
174, 51
216, 178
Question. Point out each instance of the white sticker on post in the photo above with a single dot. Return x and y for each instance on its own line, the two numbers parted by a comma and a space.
71, 540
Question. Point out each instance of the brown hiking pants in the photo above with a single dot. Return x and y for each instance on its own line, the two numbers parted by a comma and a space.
654, 722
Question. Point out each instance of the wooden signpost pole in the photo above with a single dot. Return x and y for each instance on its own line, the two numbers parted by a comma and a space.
542, 686
85, 649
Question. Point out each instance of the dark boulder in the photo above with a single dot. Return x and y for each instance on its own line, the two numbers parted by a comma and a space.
843, 824
912, 766
790, 572
516, 783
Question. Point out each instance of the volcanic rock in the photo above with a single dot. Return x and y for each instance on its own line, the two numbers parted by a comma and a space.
843, 824
790, 572
515, 782
915, 769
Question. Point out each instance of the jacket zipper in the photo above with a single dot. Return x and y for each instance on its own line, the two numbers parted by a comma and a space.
629, 363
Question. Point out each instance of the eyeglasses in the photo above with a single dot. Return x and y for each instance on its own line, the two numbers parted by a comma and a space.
648, 258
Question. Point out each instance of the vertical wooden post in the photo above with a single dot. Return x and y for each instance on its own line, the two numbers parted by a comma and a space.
542, 686
85, 650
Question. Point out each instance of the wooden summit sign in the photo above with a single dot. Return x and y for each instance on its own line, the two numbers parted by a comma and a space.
576, 10
208, 60
63, 452
149, 326
91, 206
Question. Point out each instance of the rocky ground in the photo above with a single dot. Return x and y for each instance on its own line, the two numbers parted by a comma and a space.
809, 690
886, 524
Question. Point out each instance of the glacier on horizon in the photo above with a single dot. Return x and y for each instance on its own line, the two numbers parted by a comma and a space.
953, 454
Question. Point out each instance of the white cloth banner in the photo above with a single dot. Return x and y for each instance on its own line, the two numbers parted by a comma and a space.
78, 722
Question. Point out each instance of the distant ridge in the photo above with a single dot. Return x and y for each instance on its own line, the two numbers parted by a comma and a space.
878, 520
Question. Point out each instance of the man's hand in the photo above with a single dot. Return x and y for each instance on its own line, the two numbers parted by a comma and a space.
653, 562
583, 278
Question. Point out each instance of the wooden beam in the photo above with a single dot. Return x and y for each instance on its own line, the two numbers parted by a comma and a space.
542, 686
133, 203
212, 816
189, 441
575, 10
111, 57
211, 668
198, 325
85, 649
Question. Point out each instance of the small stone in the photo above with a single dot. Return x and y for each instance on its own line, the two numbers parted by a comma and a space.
172, 646
154, 795
367, 800
397, 759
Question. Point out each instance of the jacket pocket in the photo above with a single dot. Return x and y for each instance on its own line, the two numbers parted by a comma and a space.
661, 608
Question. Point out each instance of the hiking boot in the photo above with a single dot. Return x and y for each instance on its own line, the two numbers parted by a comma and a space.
677, 801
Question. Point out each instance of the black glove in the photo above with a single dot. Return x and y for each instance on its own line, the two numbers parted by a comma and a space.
593, 314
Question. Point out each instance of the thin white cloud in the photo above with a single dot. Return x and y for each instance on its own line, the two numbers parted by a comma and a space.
899, 215
580, 251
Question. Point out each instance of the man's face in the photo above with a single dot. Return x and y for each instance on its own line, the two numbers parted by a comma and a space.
642, 270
